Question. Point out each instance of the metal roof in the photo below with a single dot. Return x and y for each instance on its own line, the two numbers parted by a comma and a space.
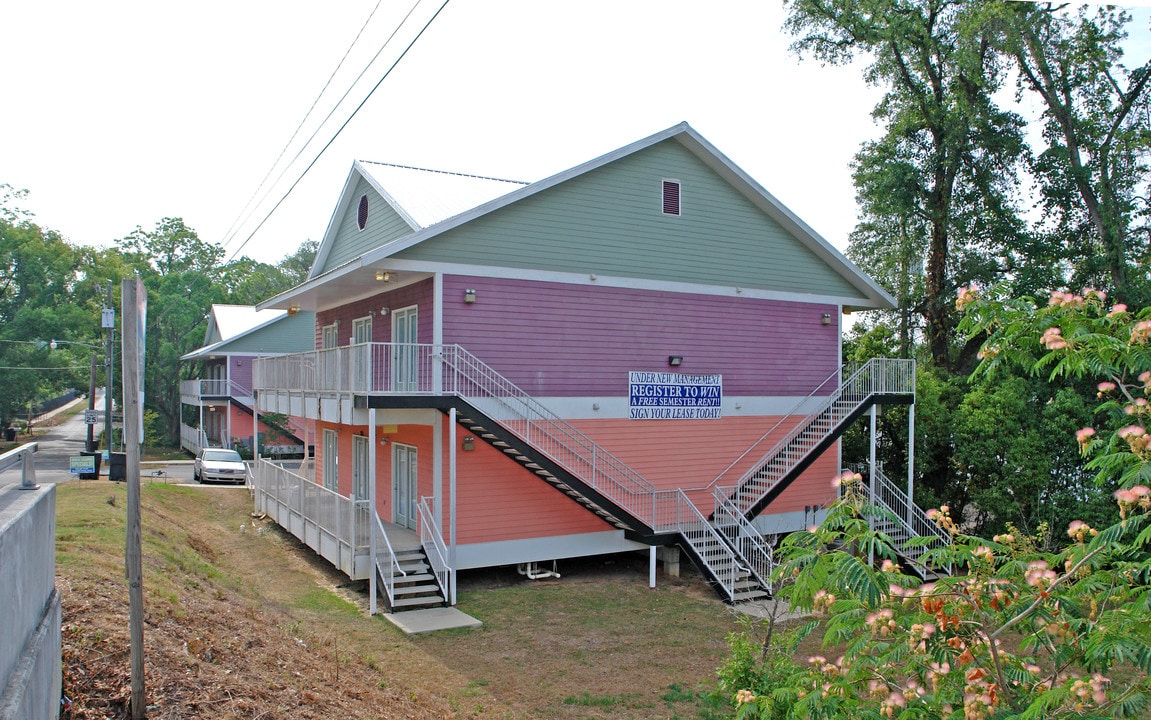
427, 197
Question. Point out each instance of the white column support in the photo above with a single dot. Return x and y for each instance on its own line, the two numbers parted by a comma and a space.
372, 480
651, 566
910, 461
871, 479
438, 470
452, 504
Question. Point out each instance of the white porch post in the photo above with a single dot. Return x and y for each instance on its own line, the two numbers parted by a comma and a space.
452, 503
438, 470
371, 515
651, 555
910, 461
871, 479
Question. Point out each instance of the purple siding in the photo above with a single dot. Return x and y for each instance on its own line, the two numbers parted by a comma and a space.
241, 371
553, 339
419, 294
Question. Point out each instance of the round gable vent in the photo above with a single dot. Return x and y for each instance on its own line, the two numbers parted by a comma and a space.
362, 213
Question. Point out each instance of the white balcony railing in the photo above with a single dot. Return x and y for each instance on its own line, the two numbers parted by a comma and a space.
194, 391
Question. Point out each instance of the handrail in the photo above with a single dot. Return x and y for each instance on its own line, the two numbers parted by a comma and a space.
548, 433
790, 413
25, 457
430, 536
752, 547
862, 384
388, 578
696, 527
892, 498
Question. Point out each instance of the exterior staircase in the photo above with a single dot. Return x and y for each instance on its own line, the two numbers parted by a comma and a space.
904, 520
415, 587
877, 382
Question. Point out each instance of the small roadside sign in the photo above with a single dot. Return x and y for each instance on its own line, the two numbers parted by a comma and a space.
85, 464
91, 417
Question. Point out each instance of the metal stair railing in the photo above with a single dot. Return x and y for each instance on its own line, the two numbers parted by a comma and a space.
695, 528
745, 538
387, 566
432, 540
498, 398
913, 521
878, 376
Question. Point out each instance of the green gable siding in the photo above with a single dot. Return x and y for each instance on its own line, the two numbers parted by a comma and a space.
609, 221
289, 334
384, 225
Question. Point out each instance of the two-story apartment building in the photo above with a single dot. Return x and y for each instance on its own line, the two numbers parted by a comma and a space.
640, 352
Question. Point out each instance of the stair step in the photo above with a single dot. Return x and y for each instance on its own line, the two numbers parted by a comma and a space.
409, 602
416, 589
416, 577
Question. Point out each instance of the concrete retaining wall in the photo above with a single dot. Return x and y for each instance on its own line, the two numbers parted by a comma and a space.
30, 628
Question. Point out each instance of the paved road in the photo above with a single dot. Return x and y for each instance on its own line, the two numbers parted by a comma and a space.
67, 439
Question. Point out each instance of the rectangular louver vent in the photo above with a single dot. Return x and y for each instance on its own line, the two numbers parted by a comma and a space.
670, 197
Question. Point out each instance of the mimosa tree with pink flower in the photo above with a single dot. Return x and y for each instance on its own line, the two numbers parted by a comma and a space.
1011, 631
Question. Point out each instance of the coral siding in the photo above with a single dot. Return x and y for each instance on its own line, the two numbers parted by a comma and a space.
419, 294
685, 454
496, 498
555, 339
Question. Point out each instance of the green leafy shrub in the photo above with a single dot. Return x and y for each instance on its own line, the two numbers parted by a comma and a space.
1013, 630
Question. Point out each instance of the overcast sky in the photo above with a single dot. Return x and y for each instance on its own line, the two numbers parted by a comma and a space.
119, 114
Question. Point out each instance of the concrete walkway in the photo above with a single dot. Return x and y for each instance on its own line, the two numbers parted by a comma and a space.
418, 622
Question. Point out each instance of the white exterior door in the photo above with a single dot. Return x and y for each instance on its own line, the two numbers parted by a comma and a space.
359, 467
331, 454
405, 357
405, 488
330, 337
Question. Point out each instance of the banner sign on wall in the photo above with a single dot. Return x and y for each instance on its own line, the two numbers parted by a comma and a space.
671, 396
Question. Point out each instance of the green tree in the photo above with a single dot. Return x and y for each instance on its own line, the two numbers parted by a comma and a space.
39, 273
942, 172
1092, 171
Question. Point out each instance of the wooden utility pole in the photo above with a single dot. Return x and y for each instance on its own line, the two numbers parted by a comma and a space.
133, 308
90, 444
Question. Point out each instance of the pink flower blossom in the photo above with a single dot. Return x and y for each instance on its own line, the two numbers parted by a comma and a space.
1117, 309
1141, 332
967, 295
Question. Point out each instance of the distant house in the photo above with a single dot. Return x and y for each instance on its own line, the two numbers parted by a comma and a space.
220, 397
639, 353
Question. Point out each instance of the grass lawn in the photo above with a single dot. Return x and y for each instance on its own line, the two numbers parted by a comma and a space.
244, 622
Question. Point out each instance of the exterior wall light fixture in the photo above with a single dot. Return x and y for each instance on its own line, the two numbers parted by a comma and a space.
470, 295
384, 310
469, 443
293, 309
826, 319
383, 276
675, 360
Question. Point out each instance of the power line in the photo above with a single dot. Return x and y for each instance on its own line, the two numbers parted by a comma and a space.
242, 217
63, 367
348, 120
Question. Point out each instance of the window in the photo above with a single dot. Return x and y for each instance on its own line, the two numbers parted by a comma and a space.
331, 450
362, 330
362, 212
329, 337
671, 197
